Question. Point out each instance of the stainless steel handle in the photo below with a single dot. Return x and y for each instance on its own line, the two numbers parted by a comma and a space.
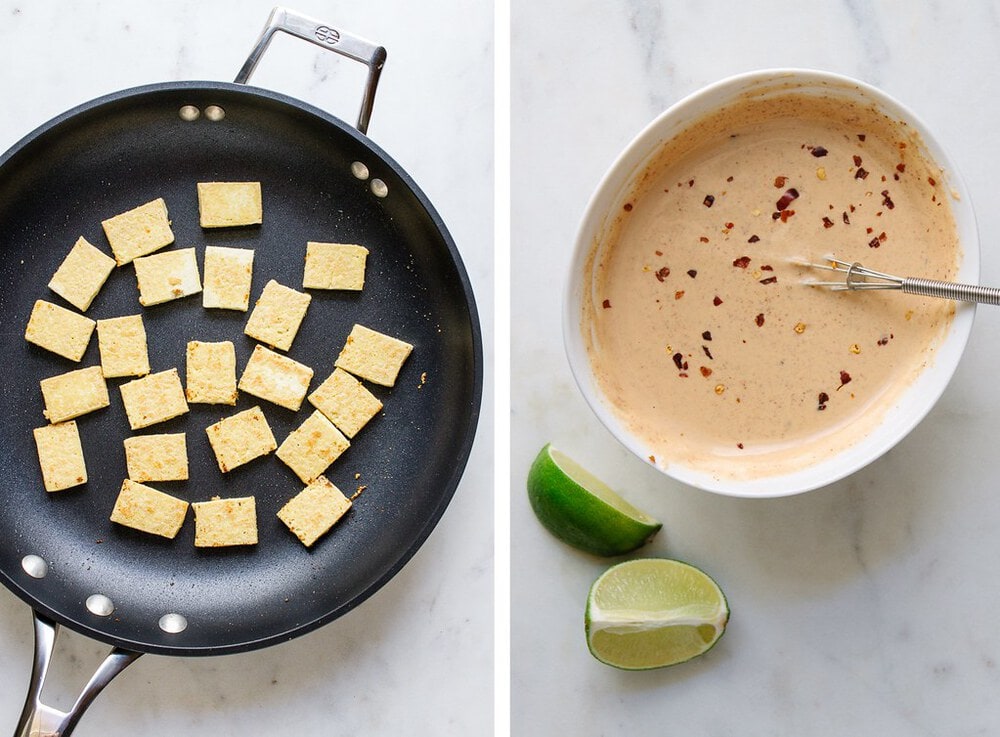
39, 720
951, 290
327, 37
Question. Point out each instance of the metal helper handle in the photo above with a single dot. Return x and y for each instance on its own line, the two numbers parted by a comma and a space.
327, 37
39, 720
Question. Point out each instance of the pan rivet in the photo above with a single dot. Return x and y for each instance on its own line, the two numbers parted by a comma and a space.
214, 113
100, 605
379, 188
359, 170
173, 623
189, 112
35, 566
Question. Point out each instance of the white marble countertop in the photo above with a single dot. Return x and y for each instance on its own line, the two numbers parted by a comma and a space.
416, 658
867, 607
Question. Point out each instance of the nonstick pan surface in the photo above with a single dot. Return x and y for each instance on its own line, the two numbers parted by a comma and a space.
120, 151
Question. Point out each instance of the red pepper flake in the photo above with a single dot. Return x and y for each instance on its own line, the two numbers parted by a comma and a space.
769, 280
884, 340
658, 253
823, 399
759, 320
882, 236
932, 181
729, 226
767, 267
775, 215
845, 378
869, 231
742, 262
708, 352
692, 273
818, 151
860, 174
652, 459
663, 273
690, 182
861, 137
901, 167
857, 160
740, 446
679, 362
827, 222
716, 301
729, 179
708, 201
606, 304
779, 182
703, 239
705, 371
786, 199
874, 243
678, 294
628, 207
887, 201
847, 220
707, 335
785, 214
753, 239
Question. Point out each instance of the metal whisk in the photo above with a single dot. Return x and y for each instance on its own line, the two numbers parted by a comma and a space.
859, 278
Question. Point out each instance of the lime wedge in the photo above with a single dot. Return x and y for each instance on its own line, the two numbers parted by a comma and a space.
582, 510
653, 612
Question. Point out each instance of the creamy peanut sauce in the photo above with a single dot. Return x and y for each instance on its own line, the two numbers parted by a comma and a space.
699, 330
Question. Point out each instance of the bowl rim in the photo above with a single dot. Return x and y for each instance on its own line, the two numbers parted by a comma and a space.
924, 391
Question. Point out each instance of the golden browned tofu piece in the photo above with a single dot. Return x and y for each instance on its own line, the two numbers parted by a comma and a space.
82, 274
74, 393
334, 266
373, 355
148, 510
59, 330
276, 317
240, 438
228, 204
211, 372
313, 511
122, 341
223, 522
228, 278
166, 276
61, 456
139, 231
155, 398
276, 378
345, 402
157, 457
310, 448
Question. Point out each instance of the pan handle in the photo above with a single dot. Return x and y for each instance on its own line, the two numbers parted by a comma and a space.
39, 720
327, 37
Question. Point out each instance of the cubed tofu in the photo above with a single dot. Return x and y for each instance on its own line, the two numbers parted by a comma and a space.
139, 231
373, 355
312, 447
81, 274
59, 330
157, 457
240, 438
276, 378
334, 266
145, 509
152, 399
313, 511
223, 522
228, 204
211, 372
228, 277
61, 456
166, 276
276, 317
345, 402
122, 341
74, 393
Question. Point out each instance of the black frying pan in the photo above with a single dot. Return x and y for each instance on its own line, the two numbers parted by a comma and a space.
125, 149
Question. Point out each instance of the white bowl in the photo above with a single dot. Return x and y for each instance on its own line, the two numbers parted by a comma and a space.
619, 183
